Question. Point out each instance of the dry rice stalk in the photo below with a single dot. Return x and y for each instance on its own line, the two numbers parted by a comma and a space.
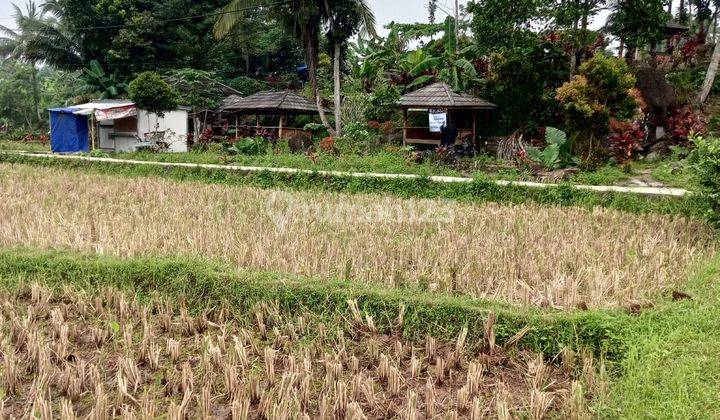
188, 379
355, 412
476, 412
341, 400
460, 343
415, 366
270, 364
411, 412
101, 406
575, 408
66, 410
474, 377
41, 408
395, 380
204, 401
429, 398
324, 408
516, 338
131, 372
502, 405
540, 402
463, 398
11, 374
490, 330
355, 311
240, 409
230, 379
430, 346
147, 406
537, 370
568, 360
173, 349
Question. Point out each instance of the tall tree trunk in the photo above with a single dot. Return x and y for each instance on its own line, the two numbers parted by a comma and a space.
336, 72
670, 5
710, 76
573, 53
338, 100
682, 13
311, 58
621, 48
35, 93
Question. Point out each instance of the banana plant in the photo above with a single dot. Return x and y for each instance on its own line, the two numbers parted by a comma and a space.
107, 86
451, 67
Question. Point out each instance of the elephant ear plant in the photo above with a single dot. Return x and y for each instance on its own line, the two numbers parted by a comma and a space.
555, 154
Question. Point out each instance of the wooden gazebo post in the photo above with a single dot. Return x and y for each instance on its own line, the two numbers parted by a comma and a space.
474, 130
280, 127
405, 127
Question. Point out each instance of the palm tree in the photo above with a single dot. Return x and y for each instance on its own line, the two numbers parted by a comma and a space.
16, 43
346, 18
304, 19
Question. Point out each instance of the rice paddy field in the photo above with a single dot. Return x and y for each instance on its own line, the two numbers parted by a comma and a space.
524, 254
70, 354
532, 311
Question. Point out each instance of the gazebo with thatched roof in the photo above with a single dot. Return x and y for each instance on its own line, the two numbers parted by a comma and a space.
274, 103
460, 109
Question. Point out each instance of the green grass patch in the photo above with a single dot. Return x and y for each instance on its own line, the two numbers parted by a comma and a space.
672, 369
202, 285
11, 145
480, 190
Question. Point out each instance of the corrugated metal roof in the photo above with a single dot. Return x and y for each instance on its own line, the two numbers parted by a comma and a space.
440, 95
271, 102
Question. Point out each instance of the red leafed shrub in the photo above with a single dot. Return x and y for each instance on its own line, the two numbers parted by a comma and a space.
43, 139
624, 140
482, 66
682, 123
384, 128
551, 37
327, 144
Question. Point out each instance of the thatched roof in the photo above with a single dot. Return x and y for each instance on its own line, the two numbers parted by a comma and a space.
672, 28
272, 102
440, 95
230, 101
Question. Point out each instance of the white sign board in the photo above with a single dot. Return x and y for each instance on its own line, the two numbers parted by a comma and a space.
438, 118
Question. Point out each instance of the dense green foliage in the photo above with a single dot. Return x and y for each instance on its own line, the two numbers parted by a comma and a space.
639, 22
532, 72
705, 168
151, 93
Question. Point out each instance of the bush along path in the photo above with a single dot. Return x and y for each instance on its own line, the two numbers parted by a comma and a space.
469, 190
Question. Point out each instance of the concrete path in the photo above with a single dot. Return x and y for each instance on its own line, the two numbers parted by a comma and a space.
653, 191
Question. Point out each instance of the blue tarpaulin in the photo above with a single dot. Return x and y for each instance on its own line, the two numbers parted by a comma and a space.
68, 132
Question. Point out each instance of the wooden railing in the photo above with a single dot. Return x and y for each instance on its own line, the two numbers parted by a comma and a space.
423, 135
